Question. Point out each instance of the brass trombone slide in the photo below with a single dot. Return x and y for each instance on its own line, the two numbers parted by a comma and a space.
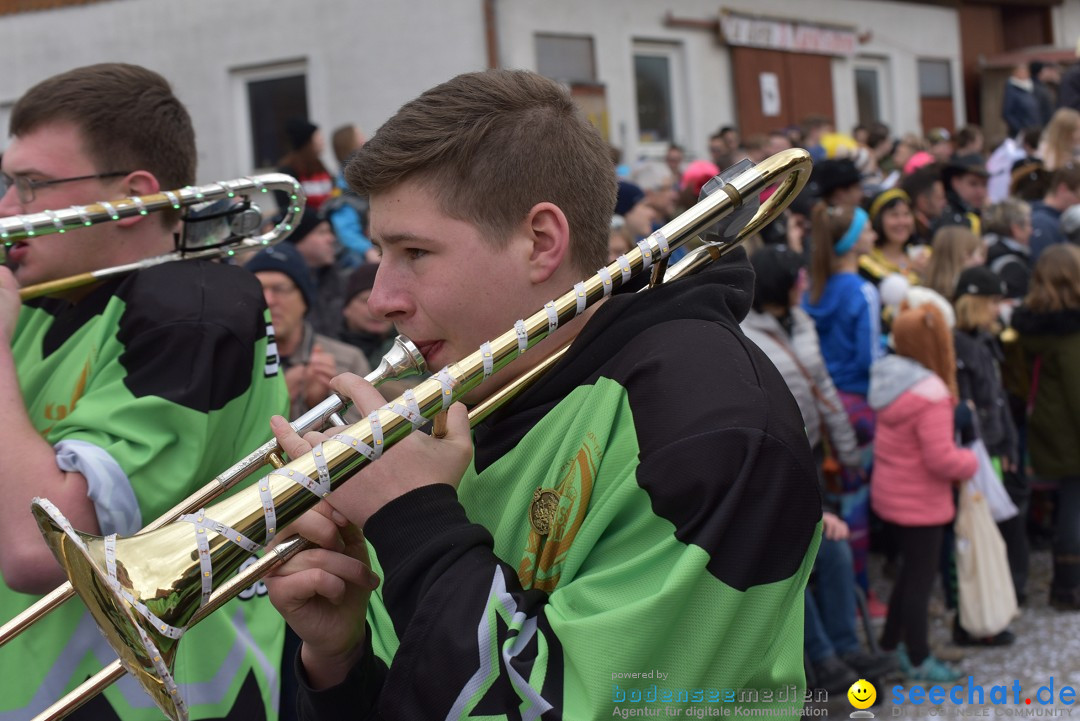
145, 608
17, 228
402, 361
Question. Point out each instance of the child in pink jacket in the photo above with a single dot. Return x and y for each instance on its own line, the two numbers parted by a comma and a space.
916, 464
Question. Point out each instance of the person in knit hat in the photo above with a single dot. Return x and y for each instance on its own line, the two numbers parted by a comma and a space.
314, 239
303, 162
916, 464
370, 333
979, 354
630, 203
309, 360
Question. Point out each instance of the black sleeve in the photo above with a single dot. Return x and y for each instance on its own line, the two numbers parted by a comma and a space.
359, 691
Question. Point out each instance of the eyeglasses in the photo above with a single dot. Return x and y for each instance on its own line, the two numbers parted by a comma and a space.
281, 290
26, 187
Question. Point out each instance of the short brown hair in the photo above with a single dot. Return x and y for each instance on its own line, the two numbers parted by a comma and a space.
128, 116
1055, 284
491, 145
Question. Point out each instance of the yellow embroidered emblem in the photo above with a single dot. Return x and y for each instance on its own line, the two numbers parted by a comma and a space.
542, 510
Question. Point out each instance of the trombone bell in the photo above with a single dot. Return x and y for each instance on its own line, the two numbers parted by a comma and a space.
142, 607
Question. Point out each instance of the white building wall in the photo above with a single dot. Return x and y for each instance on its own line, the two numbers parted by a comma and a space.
900, 34
363, 58
1066, 19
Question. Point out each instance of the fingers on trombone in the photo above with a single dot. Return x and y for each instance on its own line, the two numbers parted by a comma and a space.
320, 572
322, 525
362, 393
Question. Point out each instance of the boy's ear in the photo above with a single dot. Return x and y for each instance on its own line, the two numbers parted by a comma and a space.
549, 233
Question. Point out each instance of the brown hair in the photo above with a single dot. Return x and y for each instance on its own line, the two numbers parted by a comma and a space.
828, 225
128, 117
952, 245
922, 334
491, 145
1055, 284
344, 141
976, 312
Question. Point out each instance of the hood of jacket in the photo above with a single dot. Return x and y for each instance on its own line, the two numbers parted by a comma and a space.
890, 377
1040, 330
722, 293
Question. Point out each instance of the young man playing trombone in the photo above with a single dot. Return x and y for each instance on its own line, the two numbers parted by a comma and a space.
121, 397
634, 530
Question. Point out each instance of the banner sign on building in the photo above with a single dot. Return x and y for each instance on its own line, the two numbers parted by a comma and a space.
791, 35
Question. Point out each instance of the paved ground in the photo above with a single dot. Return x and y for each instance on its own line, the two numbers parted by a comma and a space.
1047, 645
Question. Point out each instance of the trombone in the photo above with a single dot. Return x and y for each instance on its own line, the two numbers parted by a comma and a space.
19, 228
144, 591
402, 361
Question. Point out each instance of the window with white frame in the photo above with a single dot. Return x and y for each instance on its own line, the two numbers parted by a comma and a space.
267, 97
659, 96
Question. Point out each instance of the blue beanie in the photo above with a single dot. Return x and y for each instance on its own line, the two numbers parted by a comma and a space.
628, 196
285, 258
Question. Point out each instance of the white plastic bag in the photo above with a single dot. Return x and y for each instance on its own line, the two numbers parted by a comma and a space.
986, 594
987, 482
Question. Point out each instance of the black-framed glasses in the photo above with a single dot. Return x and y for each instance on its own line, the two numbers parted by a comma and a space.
26, 188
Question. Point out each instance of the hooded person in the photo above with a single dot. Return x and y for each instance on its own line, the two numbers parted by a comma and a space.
916, 464
786, 334
1048, 324
303, 162
309, 359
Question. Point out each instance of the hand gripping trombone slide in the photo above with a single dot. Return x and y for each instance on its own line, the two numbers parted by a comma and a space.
144, 591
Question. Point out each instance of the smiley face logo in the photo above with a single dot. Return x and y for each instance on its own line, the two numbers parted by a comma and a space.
862, 694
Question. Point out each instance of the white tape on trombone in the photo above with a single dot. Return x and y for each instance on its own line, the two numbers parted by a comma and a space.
357, 445
206, 568
580, 297
160, 626
605, 276
376, 433
256, 182
59, 519
110, 209
319, 490
204, 523
172, 198
624, 268
266, 497
320, 465
552, 316
646, 253
57, 223
410, 411
83, 214
662, 241
447, 382
163, 673
139, 204
522, 336
488, 357
28, 227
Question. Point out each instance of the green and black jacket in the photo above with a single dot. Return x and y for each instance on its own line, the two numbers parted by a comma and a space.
686, 525
172, 373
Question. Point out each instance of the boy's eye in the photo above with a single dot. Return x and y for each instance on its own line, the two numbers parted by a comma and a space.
415, 253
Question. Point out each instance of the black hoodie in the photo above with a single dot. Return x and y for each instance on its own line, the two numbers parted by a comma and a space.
661, 399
